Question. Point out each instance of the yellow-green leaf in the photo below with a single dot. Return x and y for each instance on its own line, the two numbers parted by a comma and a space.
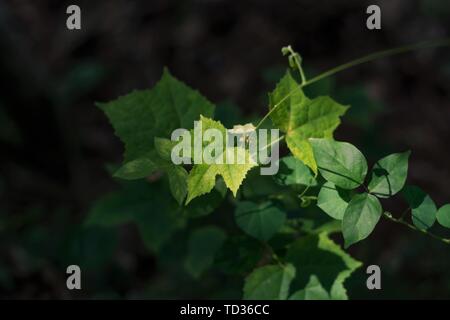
202, 177
302, 118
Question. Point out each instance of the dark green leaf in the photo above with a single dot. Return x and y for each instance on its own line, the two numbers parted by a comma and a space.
89, 247
239, 255
206, 204
422, 206
443, 216
269, 283
141, 167
292, 172
389, 175
360, 218
137, 117
318, 255
261, 221
202, 247
157, 216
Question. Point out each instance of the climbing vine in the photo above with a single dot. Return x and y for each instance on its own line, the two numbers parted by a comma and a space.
280, 242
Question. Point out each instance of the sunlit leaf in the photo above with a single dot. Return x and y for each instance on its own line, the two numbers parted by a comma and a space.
301, 118
202, 177
340, 162
333, 200
312, 291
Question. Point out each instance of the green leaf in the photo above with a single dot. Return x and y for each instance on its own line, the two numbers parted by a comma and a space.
141, 167
202, 247
360, 218
206, 204
443, 216
92, 247
202, 177
177, 182
318, 255
333, 200
340, 162
258, 186
142, 115
312, 291
228, 113
261, 221
389, 175
422, 206
269, 283
292, 172
239, 255
118, 207
157, 216
301, 118
329, 227
164, 147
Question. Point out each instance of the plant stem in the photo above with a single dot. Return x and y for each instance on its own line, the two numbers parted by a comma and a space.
412, 227
273, 255
402, 216
270, 144
304, 191
368, 58
380, 54
302, 74
295, 60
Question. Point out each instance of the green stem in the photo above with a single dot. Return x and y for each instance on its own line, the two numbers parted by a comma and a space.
368, 58
380, 54
272, 143
295, 60
302, 75
404, 213
304, 191
300, 69
412, 227
273, 255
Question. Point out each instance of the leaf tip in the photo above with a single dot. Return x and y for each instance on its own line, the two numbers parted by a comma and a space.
166, 71
347, 244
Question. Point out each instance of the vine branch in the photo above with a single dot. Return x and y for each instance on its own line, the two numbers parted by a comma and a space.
389, 216
377, 55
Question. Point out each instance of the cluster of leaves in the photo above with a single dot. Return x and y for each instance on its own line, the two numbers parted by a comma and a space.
293, 256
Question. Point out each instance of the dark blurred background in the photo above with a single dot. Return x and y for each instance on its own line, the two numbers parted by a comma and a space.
55, 143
